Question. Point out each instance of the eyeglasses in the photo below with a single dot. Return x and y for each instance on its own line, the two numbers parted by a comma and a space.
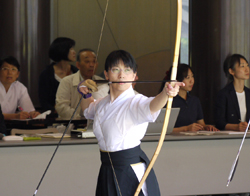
9, 69
117, 70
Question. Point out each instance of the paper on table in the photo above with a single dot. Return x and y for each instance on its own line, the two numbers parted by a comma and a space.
223, 132
88, 135
12, 138
197, 133
40, 116
83, 133
229, 132
43, 115
206, 132
189, 133
54, 135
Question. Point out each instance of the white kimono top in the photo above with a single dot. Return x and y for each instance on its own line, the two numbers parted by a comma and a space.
122, 124
17, 95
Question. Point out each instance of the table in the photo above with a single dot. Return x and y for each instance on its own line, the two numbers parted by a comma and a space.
187, 165
43, 123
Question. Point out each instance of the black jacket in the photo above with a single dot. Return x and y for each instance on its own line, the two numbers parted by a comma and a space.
48, 86
227, 109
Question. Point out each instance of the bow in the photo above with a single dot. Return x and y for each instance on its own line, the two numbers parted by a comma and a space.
170, 99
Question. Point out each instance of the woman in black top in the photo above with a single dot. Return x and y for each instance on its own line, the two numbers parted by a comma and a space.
62, 52
232, 108
190, 117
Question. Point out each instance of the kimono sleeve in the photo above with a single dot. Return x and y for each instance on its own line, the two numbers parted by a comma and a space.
140, 109
24, 100
89, 113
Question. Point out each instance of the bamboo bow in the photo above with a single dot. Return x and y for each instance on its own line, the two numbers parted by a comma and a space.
170, 99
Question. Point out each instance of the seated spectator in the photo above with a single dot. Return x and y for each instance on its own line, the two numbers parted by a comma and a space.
190, 117
62, 53
13, 94
232, 108
67, 96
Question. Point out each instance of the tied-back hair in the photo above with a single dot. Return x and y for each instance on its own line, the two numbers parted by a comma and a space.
117, 56
230, 62
10, 60
182, 72
59, 48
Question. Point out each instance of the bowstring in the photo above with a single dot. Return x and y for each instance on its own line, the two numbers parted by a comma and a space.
97, 53
103, 22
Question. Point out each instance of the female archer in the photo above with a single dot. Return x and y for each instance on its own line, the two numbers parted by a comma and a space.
120, 122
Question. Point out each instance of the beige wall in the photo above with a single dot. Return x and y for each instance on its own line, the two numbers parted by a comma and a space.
145, 28
235, 29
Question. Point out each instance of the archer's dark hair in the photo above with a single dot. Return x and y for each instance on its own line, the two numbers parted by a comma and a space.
10, 60
59, 48
230, 63
83, 50
116, 56
182, 72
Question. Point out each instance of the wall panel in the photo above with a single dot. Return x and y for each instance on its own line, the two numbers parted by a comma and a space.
142, 27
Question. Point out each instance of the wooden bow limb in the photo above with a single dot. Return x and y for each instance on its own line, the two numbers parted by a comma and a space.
170, 99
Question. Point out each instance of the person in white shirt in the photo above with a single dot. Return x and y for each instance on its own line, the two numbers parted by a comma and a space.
13, 94
120, 122
67, 96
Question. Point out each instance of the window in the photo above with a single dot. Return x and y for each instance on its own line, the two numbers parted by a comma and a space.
185, 33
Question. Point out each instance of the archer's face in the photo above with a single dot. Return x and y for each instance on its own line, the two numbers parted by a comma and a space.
120, 73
